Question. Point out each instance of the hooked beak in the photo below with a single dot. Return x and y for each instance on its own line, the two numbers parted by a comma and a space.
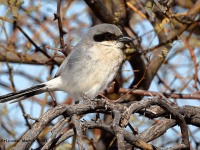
125, 39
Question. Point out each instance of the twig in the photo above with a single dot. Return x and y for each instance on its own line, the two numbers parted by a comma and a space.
118, 130
30, 117
52, 141
157, 130
78, 131
61, 31
13, 87
136, 10
153, 93
127, 136
65, 136
34, 44
170, 40
134, 108
178, 147
192, 55
135, 86
53, 98
179, 119
157, 101
20, 104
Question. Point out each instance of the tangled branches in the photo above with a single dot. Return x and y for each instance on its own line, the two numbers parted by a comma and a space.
69, 123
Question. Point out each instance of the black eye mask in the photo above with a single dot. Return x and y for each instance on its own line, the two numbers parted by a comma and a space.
107, 36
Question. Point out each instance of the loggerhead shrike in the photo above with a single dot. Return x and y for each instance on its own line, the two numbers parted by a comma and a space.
88, 69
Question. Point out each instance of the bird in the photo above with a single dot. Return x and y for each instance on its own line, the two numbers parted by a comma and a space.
89, 68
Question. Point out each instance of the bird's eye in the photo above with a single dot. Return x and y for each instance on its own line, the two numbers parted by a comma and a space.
109, 35
104, 37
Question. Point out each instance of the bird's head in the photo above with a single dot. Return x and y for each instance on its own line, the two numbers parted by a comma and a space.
107, 34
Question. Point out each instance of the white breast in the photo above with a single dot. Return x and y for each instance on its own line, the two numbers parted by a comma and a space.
97, 68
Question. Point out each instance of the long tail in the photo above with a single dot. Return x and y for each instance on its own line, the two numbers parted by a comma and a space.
23, 94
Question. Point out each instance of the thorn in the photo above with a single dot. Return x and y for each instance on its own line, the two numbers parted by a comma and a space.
55, 17
64, 32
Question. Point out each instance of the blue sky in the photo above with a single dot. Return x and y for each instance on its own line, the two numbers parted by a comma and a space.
42, 71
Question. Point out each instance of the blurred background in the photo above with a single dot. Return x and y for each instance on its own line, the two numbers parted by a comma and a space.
165, 50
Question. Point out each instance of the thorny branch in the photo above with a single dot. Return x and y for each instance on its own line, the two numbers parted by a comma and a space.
172, 41
117, 129
61, 31
32, 42
78, 131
